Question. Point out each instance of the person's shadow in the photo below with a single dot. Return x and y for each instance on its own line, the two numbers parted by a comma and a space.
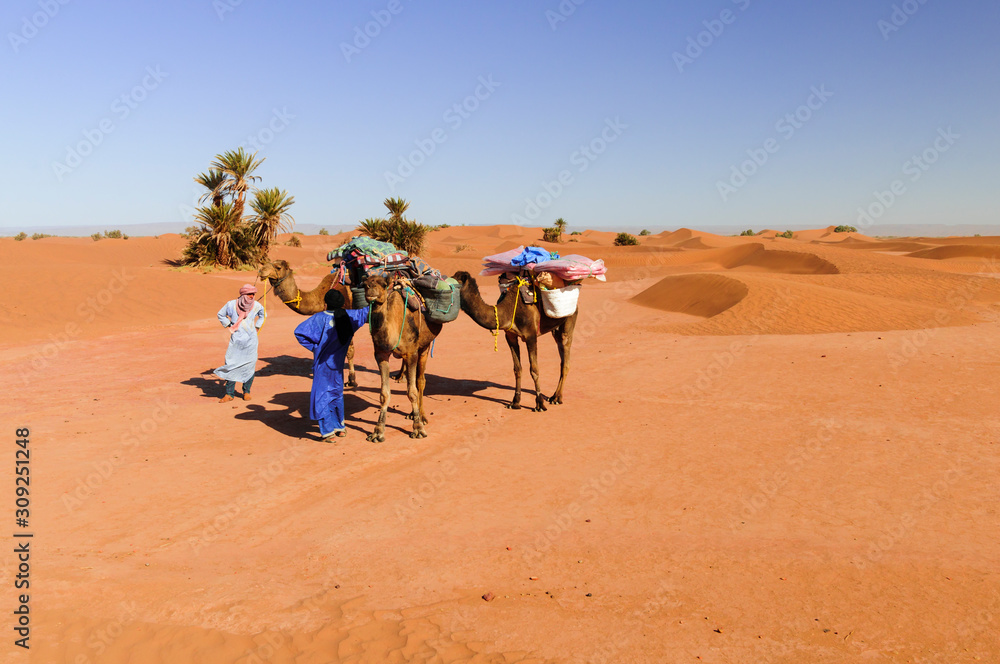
210, 386
290, 417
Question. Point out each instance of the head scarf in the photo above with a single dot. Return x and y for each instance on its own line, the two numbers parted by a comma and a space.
245, 303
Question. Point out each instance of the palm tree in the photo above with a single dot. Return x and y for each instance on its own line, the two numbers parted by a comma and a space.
560, 226
396, 207
271, 216
237, 166
219, 224
213, 181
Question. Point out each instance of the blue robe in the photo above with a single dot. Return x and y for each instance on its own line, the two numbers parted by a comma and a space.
318, 335
241, 355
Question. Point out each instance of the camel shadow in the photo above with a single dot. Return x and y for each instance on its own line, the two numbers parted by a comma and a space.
291, 418
290, 365
439, 386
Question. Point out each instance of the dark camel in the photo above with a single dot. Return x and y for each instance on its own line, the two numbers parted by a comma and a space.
307, 303
397, 332
528, 322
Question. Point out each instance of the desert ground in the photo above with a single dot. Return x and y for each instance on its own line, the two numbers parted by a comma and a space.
772, 450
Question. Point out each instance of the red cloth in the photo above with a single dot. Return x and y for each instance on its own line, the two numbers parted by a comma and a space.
245, 303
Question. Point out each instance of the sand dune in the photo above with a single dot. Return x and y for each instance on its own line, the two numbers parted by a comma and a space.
771, 450
991, 252
703, 295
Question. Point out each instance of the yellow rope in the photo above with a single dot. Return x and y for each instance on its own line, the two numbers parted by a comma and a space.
496, 314
295, 301
496, 333
263, 301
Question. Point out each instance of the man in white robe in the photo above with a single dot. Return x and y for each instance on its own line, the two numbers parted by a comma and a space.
242, 317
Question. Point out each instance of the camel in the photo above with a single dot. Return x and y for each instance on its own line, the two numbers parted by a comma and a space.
307, 303
400, 333
528, 322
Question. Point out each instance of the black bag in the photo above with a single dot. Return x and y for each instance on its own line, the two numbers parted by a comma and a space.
358, 299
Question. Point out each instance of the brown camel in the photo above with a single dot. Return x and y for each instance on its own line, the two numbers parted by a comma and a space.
400, 333
307, 303
528, 322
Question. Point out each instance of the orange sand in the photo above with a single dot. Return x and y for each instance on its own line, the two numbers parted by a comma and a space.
771, 450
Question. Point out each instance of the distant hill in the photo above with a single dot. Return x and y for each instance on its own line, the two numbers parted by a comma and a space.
878, 230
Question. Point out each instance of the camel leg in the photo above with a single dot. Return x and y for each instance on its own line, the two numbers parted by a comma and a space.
378, 436
564, 341
352, 378
412, 392
515, 353
422, 383
532, 345
398, 376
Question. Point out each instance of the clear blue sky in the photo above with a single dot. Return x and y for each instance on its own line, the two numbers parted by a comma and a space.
345, 121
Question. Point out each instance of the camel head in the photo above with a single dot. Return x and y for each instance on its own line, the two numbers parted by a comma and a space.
467, 283
274, 270
376, 289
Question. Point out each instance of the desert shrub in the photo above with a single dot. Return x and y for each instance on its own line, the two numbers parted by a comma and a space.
124, 237
95, 237
748, 231
440, 226
551, 234
577, 233
644, 232
323, 231
294, 241
20, 236
462, 247
39, 236
787, 234
115, 234
845, 229
626, 240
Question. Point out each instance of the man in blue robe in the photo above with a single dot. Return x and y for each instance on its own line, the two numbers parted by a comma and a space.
327, 335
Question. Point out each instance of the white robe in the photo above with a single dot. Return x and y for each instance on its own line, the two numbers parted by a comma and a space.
241, 356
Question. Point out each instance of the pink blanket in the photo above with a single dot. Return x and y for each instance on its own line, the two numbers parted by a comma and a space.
570, 267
